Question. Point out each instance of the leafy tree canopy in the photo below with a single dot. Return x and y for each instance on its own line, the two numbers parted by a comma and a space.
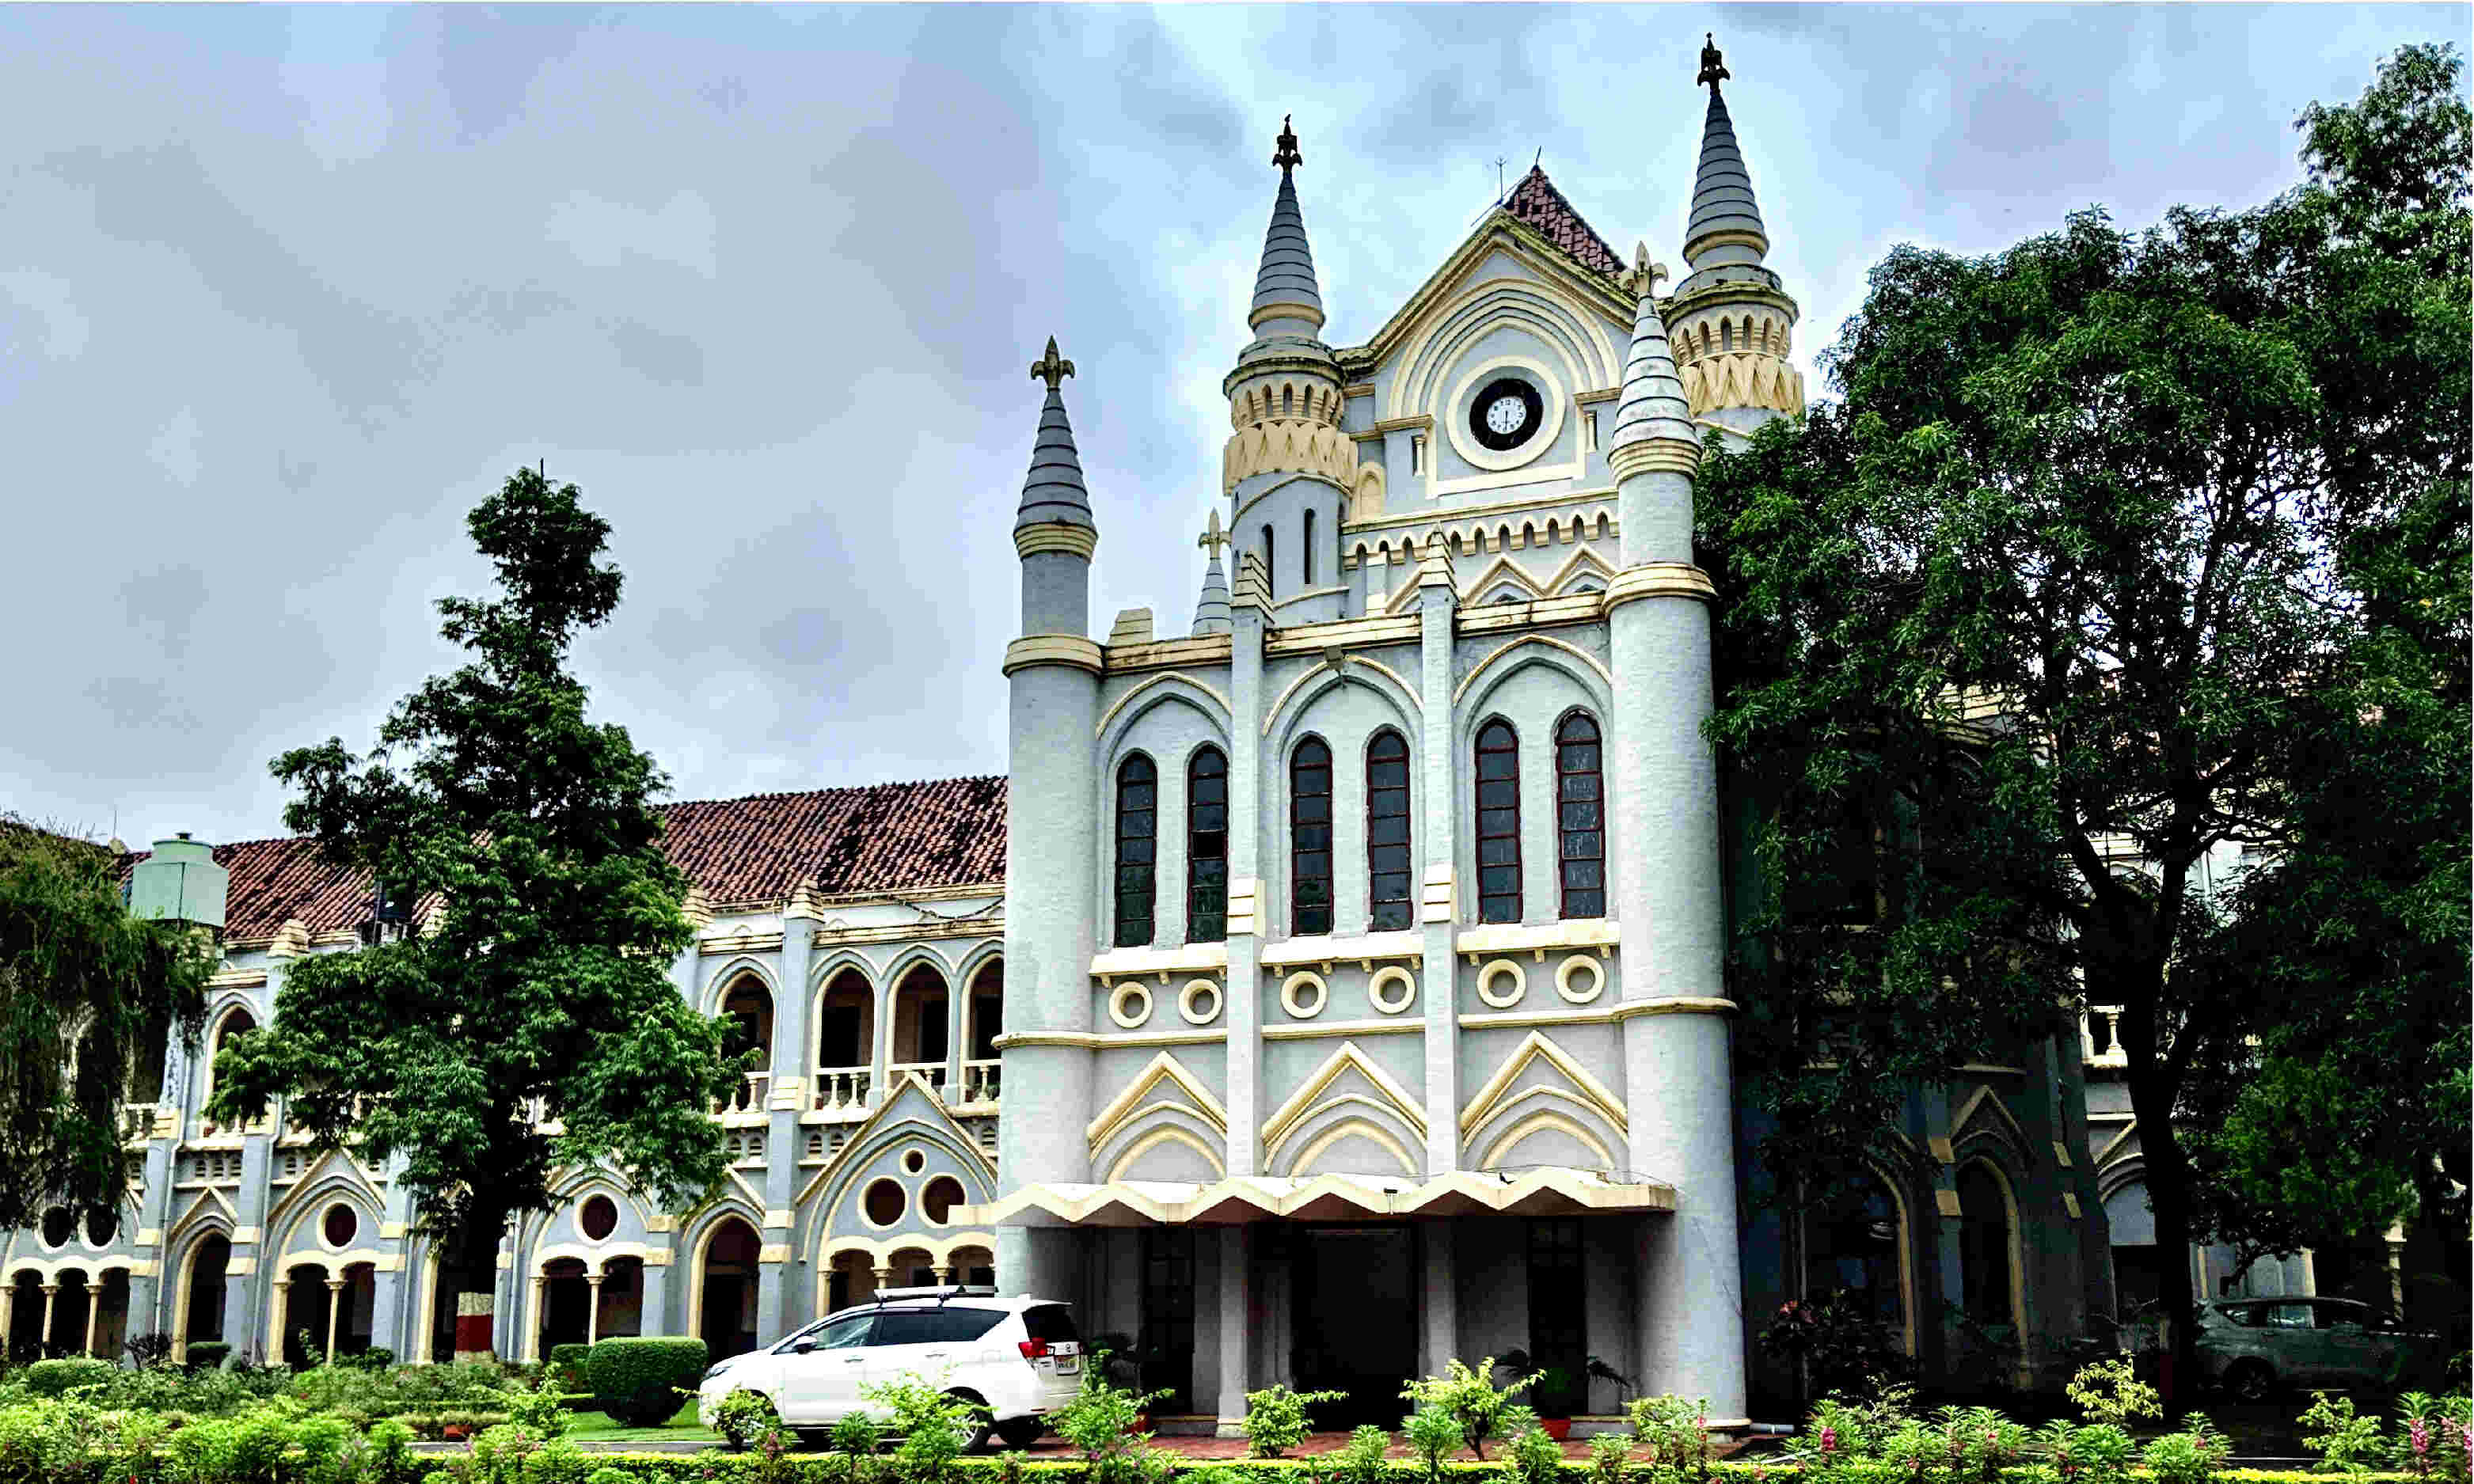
88, 998
534, 994
2118, 549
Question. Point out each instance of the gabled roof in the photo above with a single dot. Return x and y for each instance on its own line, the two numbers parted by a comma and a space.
1537, 202
886, 837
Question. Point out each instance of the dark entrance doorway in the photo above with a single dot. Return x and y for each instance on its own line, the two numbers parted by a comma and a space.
1354, 1319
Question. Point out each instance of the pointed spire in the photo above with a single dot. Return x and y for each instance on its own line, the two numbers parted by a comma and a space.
1654, 406
1286, 297
1211, 611
1054, 495
1726, 221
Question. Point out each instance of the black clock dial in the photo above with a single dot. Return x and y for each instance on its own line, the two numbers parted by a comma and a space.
1506, 414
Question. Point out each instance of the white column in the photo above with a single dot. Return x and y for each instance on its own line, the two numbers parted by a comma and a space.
335, 1310
593, 1315
93, 1313
51, 1302
533, 1314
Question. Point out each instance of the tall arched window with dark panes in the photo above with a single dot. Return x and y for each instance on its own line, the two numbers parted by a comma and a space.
1306, 552
1388, 871
1498, 823
1206, 847
1271, 566
1310, 838
1137, 848
1984, 1246
1580, 817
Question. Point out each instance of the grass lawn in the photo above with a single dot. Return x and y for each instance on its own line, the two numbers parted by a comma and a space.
602, 1427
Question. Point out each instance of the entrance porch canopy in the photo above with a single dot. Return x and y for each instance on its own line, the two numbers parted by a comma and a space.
1247, 1198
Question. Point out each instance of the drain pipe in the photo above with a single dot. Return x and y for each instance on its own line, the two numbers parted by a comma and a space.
1769, 1429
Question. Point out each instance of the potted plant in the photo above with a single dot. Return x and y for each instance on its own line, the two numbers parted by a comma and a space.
1552, 1393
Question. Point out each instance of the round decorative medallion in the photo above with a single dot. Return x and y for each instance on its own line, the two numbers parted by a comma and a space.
1402, 984
1303, 995
1506, 414
1496, 973
1199, 1002
1129, 1005
1580, 979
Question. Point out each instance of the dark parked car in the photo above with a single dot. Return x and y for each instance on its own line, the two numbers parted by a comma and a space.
2256, 1347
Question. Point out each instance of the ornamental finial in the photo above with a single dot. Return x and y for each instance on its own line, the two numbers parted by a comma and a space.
1286, 153
1050, 369
1712, 67
1644, 275
1213, 537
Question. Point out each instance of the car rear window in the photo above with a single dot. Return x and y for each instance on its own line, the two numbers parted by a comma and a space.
1050, 1321
929, 1326
2244, 1314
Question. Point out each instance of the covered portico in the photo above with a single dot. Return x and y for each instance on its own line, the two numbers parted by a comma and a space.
1346, 1281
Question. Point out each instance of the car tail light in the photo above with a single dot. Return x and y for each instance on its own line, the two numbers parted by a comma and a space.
1032, 1350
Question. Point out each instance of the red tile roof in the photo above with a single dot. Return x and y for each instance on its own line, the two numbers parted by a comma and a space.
1536, 202
888, 837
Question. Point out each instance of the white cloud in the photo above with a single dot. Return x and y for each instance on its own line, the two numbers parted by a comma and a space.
681, 232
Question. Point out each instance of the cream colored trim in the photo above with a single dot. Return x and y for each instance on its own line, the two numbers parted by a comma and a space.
1056, 536
1413, 423
1185, 998
1169, 1134
1655, 456
1290, 997
1346, 1059
1566, 970
1426, 520
1550, 422
1548, 1191
1192, 958
1947, 1202
1502, 569
1497, 1089
1983, 1097
1065, 649
1391, 973
1482, 666
1726, 237
1128, 1103
1364, 632
1368, 950
1357, 1128
1658, 580
1157, 681
1126, 1017
1457, 302
1203, 651
1316, 1030
236, 979
1285, 311
1538, 938
1546, 1118
909, 932
1486, 978
1280, 704
1674, 1005
1528, 1019
2104, 1155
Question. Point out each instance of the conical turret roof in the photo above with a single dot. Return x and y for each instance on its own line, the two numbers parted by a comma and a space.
1211, 609
1054, 492
1722, 188
1287, 273
1654, 405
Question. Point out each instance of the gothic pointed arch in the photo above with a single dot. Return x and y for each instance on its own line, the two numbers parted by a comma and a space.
1163, 1124
1347, 1106
1541, 1093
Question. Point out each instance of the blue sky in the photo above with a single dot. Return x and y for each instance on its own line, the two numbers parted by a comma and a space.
284, 292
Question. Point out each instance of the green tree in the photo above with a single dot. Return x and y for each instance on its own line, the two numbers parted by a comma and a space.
2085, 577
88, 996
530, 1023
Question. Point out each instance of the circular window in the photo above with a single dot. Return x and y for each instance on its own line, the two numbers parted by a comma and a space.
1579, 978
58, 1225
1129, 1005
1303, 995
914, 1161
1199, 1002
884, 1202
1506, 414
598, 1218
101, 1227
340, 1225
1393, 990
936, 1203
1501, 984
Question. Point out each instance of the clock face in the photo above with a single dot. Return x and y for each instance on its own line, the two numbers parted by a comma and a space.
1506, 414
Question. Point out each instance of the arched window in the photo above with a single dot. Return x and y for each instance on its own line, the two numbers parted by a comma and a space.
1579, 818
1498, 823
1984, 1247
1851, 1251
1206, 847
1388, 871
1271, 566
1306, 549
1310, 838
1726, 334
1137, 848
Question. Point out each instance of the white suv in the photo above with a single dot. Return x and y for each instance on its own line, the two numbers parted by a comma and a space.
1019, 1357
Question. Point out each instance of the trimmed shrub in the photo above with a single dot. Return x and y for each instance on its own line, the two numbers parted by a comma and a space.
639, 1379
59, 1378
564, 1371
208, 1355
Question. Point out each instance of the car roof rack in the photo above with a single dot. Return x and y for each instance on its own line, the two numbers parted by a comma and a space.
941, 1292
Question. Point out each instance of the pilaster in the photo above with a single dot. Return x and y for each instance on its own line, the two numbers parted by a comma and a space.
1249, 905
782, 1142
1438, 907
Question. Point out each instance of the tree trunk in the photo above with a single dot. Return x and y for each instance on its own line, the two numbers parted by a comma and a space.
472, 1267
2166, 1174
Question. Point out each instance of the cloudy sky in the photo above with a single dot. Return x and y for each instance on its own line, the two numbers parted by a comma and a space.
284, 292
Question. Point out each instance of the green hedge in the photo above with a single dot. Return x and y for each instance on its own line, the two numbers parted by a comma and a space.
805, 1468
208, 1355
637, 1378
58, 1378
